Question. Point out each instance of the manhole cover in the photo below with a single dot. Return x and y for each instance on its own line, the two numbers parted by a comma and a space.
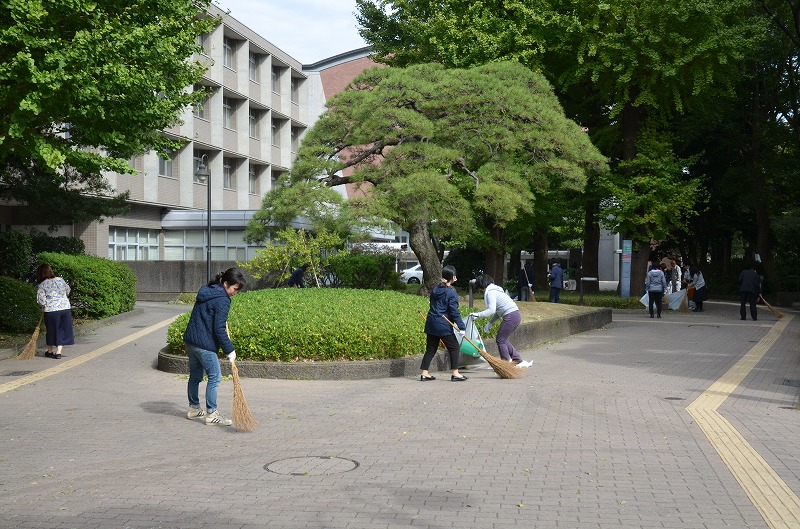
18, 373
311, 466
792, 383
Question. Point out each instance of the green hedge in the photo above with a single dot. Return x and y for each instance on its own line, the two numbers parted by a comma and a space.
364, 271
100, 287
19, 312
318, 324
15, 254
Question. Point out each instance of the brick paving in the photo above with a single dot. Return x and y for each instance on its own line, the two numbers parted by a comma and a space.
596, 436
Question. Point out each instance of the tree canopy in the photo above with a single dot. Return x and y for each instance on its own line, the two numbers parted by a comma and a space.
446, 153
85, 85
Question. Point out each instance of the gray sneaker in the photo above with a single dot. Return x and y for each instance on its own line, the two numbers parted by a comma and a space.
217, 419
196, 413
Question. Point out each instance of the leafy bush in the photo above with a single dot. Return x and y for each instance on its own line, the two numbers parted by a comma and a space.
320, 324
15, 254
610, 300
43, 242
19, 312
100, 287
363, 270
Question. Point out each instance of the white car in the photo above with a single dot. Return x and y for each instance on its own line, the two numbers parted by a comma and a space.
412, 276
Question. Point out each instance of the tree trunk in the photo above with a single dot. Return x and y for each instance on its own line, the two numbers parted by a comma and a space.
640, 260
588, 267
419, 239
540, 260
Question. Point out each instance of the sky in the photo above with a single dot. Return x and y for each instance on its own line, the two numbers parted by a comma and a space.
308, 30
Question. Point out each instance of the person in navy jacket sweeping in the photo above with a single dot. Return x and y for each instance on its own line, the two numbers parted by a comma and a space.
444, 302
205, 335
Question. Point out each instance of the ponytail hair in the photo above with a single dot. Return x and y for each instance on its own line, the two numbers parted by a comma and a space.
483, 281
448, 273
232, 276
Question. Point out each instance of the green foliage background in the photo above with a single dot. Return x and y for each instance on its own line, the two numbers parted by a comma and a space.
100, 287
320, 324
19, 311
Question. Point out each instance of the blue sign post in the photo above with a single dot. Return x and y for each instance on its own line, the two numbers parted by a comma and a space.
625, 274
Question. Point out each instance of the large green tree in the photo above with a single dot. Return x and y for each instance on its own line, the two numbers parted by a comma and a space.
447, 154
635, 60
85, 85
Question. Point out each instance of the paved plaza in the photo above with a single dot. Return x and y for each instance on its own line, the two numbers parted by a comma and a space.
689, 421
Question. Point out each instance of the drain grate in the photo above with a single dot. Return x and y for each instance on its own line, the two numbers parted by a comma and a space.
17, 373
792, 383
673, 398
311, 466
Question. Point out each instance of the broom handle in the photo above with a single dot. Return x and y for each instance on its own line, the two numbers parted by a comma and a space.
426, 319
473, 344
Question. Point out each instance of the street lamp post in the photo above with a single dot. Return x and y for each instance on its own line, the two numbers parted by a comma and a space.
203, 174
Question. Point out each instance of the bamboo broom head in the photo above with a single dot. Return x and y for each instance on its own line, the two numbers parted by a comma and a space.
775, 312
243, 418
29, 351
503, 368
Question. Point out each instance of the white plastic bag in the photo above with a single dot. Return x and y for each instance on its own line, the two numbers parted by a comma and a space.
472, 333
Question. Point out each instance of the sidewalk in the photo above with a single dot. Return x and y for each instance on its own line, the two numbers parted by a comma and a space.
598, 435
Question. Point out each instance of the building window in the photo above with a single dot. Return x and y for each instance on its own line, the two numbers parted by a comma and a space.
165, 163
252, 67
276, 133
228, 47
295, 90
276, 76
252, 178
132, 244
255, 117
199, 109
295, 139
228, 113
189, 245
228, 176
202, 43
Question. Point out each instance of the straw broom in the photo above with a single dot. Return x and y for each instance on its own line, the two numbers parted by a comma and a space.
503, 368
775, 312
29, 351
243, 418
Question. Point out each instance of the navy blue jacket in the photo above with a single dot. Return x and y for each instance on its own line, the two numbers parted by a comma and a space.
206, 328
556, 276
444, 301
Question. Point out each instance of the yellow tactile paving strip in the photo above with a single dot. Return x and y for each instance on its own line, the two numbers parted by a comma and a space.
776, 502
69, 364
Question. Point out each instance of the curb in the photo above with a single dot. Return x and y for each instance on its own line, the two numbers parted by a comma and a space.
526, 336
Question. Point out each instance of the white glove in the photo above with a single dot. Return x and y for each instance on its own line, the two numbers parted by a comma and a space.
473, 315
462, 333
530, 285
487, 327
232, 356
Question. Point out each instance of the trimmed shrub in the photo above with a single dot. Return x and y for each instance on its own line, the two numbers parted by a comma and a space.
43, 242
320, 324
100, 287
364, 270
19, 312
15, 254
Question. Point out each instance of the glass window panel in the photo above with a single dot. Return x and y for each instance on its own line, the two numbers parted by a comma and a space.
236, 238
173, 237
195, 237
173, 253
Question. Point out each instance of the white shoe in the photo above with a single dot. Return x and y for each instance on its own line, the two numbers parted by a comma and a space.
525, 363
217, 419
196, 413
